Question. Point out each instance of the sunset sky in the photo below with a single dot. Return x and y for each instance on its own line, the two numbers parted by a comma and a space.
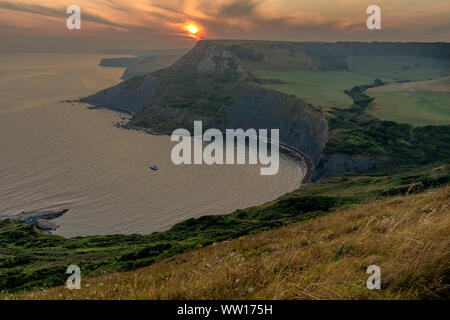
35, 25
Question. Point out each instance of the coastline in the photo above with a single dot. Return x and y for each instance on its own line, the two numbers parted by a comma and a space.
296, 155
304, 159
289, 179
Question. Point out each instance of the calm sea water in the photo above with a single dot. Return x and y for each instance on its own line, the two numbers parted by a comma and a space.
55, 155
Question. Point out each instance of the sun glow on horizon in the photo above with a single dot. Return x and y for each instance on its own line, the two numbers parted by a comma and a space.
193, 30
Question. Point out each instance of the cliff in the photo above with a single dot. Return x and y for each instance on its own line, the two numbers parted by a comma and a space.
127, 96
300, 125
210, 84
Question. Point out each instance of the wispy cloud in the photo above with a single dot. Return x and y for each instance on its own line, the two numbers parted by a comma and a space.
238, 8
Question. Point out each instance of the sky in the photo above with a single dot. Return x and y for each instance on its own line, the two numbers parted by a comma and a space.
36, 25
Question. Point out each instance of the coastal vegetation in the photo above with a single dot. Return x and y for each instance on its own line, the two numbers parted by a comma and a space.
324, 89
325, 257
418, 108
355, 131
31, 259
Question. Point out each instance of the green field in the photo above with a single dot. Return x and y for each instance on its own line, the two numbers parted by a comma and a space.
399, 68
325, 89
418, 108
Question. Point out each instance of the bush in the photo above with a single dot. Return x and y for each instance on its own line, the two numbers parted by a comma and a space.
404, 189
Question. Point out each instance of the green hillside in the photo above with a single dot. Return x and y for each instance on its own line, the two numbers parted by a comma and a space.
417, 103
325, 89
418, 108
319, 73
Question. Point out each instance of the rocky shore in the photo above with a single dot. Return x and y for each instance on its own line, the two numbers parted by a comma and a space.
39, 219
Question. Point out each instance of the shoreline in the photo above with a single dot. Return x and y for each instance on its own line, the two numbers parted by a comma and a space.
38, 219
301, 162
297, 154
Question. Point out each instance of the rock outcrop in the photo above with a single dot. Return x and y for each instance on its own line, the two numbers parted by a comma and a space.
331, 164
209, 58
39, 219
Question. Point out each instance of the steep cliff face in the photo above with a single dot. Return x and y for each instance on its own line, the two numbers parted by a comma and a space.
208, 58
300, 125
129, 96
331, 164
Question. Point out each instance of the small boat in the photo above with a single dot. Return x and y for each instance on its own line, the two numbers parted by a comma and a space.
154, 168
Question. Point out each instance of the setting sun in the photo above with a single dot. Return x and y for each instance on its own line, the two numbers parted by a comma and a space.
192, 29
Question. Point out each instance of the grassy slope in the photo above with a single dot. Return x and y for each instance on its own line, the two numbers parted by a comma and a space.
323, 258
286, 67
29, 258
325, 89
416, 103
354, 131
418, 108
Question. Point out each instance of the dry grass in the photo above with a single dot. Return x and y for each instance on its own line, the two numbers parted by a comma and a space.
324, 258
